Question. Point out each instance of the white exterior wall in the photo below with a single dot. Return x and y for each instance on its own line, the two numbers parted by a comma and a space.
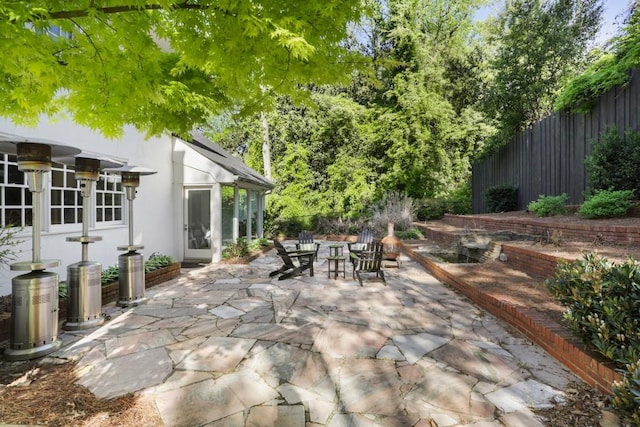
154, 208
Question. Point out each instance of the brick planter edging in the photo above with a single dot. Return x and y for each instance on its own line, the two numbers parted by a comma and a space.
557, 340
110, 292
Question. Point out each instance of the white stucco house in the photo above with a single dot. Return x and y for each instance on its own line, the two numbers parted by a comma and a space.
200, 199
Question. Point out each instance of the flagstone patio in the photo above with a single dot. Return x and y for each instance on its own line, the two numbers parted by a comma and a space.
225, 345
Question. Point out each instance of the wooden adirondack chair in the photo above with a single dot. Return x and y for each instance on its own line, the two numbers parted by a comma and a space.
368, 260
364, 238
306, 243
289, 268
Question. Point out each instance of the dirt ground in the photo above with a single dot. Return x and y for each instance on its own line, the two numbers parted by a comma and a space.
45, 394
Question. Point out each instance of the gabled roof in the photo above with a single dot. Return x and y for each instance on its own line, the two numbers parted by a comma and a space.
228, 161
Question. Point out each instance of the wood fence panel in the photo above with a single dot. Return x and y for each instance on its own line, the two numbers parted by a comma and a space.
548, 158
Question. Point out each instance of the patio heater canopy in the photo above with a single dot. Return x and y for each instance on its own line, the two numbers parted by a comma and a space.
88, 165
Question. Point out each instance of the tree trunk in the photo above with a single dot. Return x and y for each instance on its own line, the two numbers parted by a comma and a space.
266, 147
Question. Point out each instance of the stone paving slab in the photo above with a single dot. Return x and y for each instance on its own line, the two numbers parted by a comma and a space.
225, 345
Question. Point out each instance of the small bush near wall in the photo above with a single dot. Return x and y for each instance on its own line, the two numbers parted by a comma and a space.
431, 209
549, 205
501, 198
614, 162
607, 204
238, 249
602, 301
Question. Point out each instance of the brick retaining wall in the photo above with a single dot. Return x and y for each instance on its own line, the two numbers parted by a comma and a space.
531, 262
556, 339
610, 234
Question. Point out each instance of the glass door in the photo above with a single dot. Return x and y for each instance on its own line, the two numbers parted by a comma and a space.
197, 202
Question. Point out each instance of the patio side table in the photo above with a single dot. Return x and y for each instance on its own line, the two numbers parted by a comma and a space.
334, 260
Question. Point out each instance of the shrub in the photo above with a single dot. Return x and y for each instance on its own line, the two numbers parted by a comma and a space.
549, 205
411, 234
238, 249
63, 290
8, 241
607, 204
460, 201
157, 261
431, 209
626, 394
501, 198
395, 207
602, 301
614, 162
258, 244
341, 225
110, 275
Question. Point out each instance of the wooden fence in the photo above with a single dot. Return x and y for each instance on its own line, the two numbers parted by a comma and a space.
548, 158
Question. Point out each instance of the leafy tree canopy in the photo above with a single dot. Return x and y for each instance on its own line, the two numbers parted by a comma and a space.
542, 44
611, 69
165, 65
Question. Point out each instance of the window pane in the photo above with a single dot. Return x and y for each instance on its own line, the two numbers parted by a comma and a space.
13, 217
69, 197
109, 198
28, 216
56, 216
69, 215
28, 197
13, 196
56, 197
71, 180
57, 178
15, 176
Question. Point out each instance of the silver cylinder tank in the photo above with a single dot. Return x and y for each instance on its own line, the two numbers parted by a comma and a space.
34, 316
84, 287
131, 278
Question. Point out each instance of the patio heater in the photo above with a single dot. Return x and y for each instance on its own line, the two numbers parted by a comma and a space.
84, 278
34, 302
131, 263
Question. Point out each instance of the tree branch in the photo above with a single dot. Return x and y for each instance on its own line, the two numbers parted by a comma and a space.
70, 14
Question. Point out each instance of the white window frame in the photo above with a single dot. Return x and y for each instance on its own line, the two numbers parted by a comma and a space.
116, 191
69, 184
25, 206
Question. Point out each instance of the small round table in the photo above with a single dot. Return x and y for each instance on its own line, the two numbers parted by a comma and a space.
336, 256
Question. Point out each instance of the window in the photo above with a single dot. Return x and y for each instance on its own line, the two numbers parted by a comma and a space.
14, 193
66, 200
109, 199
